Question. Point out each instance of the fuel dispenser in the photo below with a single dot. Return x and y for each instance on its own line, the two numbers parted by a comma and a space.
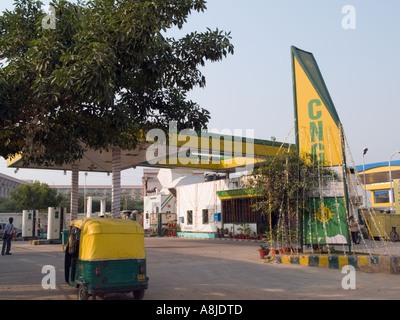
28, 218
53, 223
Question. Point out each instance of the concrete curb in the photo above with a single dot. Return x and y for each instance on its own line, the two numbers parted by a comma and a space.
376, 264
44, 242
365, 263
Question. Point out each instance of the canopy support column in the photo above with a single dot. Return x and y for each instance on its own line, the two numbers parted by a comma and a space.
116, 183
74, 192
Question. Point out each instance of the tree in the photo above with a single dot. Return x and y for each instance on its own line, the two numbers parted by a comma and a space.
102, 77
284, 184
36, 196
8, 205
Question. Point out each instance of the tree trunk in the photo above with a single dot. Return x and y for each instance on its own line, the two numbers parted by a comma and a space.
74, 192
116, 183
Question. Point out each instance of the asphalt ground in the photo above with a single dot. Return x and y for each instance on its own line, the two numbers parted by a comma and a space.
194, 269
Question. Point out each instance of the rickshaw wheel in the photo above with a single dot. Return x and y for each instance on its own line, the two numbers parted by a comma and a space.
82, 294
138, 294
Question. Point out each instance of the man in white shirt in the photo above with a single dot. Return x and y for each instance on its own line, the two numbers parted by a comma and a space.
8, 234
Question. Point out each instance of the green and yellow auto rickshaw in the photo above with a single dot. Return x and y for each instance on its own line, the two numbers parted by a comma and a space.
104, 256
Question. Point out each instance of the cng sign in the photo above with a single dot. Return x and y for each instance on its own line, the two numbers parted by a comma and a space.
318, 132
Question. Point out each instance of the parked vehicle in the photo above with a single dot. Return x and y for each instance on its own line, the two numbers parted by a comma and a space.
17, 232
104, 256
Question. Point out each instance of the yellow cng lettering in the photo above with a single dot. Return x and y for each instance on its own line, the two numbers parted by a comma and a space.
316, 130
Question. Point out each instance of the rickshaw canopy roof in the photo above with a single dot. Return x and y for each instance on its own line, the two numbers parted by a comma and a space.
107, 239
107, 226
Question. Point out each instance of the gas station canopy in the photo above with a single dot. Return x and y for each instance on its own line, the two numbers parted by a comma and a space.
208, 152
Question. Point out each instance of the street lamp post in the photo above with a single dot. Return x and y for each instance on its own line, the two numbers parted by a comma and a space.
365, 184
391, 182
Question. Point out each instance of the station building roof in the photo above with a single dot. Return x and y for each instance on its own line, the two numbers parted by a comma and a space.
379, 172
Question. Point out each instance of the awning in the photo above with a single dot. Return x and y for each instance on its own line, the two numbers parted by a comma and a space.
379, 172
238, 193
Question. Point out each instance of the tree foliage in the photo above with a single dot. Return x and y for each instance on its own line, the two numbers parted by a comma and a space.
284, 184
35, 196
23, 198
107, 73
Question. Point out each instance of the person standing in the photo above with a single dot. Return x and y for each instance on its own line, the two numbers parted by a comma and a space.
39, 226
354, 230
7, 236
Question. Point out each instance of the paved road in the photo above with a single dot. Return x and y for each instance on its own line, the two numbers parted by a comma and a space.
188, 269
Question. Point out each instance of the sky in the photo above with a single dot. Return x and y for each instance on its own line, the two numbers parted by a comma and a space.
252, 89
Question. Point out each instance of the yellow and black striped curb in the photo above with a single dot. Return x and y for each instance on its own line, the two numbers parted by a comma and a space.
383, 264
43, 241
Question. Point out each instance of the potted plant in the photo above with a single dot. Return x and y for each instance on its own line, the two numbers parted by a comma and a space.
263, 251
247, 232
285, 249
231, 233
226, 232
240, 230
270, 237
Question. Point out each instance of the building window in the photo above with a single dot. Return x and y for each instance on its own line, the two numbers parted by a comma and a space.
189, 217
205, 216
381, 196
240, 211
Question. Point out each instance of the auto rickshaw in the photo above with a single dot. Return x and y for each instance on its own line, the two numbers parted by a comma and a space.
104, 256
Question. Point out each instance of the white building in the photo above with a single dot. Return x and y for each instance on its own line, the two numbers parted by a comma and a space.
203, 208
161, 203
